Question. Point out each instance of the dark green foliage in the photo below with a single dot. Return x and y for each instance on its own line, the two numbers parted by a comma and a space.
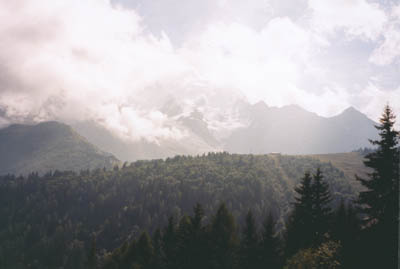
299, 230
324, 256
48, 146
270, 244
49, 219
380, 201
223, 239
92, 256
321, 211
310, 218
250, 245
144, 255
346, 230
170, 244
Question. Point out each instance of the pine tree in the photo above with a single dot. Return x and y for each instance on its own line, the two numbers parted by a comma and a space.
159, 256
223, 239
197, 247
346, 230
184, 241
249, 247
92, 257
380, 202
321, 212
144, 251
170, 244
198, 217
309, 221
299, 229
269, 245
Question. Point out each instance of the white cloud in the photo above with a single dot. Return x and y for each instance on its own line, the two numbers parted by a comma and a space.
70, 60
388, 50
79, 60
263, 64
357, 18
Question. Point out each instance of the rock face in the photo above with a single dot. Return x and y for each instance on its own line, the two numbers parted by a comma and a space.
48, 146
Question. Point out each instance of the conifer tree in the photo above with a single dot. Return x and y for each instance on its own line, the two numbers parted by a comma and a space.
310, 218
321, 212
346, 230
184, 242
144, 251
249, 247
299, 229
380, 201
223, 239
158, 250
92, 257
269, 245
170, 244
198, 251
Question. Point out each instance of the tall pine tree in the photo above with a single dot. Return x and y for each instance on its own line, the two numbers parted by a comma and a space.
299, 229
321, 212
249, 247
223, 239
380, 201
270, 245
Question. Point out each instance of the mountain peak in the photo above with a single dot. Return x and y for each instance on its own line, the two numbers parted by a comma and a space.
351, 112
260, 104
350, 109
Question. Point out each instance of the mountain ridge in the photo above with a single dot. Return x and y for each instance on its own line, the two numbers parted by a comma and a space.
48, 146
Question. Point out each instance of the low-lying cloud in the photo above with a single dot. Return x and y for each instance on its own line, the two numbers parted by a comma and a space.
96, 60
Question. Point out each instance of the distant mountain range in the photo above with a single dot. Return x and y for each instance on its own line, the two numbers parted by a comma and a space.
293, 130
262, 129
48, 146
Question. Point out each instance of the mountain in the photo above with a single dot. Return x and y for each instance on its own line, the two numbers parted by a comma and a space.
246, 128
197, 140
293, 130
48, 146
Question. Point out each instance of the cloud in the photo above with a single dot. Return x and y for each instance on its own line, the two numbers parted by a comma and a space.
388, 50
95, 60
72, 60
357, 18
264, 64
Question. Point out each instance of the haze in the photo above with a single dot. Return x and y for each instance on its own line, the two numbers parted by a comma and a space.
118, 63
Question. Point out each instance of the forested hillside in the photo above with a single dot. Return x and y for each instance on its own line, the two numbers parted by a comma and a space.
48, 146
49, 220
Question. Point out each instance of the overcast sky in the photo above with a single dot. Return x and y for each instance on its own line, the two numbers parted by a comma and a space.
118, 61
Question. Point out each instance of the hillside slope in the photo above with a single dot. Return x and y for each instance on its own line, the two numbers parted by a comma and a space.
64, 210
48, 146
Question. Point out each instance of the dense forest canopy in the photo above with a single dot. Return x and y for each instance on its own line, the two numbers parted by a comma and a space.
56, 214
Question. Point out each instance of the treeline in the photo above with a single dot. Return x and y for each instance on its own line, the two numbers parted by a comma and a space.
95, 219
48, 221
316, 237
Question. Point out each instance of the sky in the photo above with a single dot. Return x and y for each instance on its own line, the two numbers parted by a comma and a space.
117, 62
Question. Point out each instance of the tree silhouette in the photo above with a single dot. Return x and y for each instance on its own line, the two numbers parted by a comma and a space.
299, 230
380, 201
321, 212
270, 245
249, 246
223, 239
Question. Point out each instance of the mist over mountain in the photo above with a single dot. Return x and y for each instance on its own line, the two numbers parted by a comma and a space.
293, 130
248, 128
48, 146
